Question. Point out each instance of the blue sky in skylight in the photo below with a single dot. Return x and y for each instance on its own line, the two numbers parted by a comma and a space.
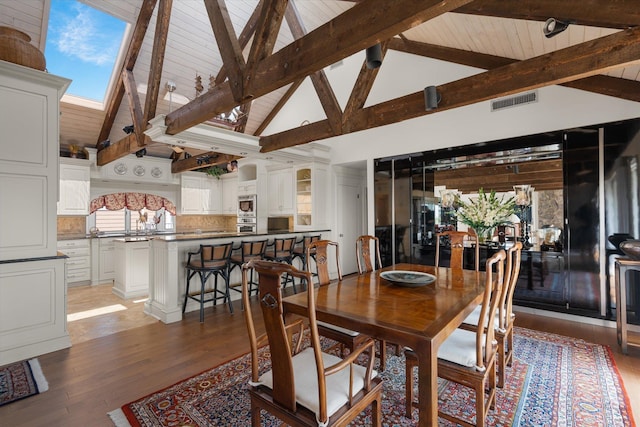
82, 45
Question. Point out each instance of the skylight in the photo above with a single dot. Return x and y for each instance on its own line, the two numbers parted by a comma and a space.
83, 45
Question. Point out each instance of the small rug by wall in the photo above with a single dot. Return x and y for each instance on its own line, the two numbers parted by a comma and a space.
21, 379
554, 380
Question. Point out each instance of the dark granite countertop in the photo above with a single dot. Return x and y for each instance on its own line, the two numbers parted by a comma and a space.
180, 236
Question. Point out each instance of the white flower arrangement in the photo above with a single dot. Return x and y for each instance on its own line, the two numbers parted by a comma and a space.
486, 212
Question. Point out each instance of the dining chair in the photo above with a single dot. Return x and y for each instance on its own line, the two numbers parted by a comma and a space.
365, 245
504, 318
347, 338
304, 386
457, 240
469, 357
209, 260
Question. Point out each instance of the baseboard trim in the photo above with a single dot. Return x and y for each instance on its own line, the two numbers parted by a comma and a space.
572, 317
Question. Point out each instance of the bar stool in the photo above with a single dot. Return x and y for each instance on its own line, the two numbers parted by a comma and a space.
248, 251
207, 261
281, 250
300, 249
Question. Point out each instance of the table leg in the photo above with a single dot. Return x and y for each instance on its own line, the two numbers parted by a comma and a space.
618, 313
427, 385
622, 307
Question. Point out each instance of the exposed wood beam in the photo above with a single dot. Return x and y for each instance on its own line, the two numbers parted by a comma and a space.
127, 145
604, 85
597, 13
157, 59
319, 79
117, 93
203, 160
354, 30
229, 48
135, 108
245, 109
264, 40
572, 63
362, 87
243, 39
281, 103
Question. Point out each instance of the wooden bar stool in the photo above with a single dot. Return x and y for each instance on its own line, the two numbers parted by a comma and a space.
281, 250
207, 261
247, 251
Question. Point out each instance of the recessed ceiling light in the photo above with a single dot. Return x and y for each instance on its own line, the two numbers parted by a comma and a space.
244, 153
215, 148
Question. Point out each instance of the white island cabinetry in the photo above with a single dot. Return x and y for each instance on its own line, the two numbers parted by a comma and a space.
132, 267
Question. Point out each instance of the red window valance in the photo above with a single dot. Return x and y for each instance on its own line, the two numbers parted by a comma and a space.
132, 201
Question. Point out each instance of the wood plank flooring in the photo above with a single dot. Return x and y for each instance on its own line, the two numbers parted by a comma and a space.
137, 355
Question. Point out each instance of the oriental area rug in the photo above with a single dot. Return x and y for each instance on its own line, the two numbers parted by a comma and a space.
554, 381
20, 380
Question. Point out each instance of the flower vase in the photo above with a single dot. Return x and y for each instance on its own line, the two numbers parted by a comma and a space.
485, 235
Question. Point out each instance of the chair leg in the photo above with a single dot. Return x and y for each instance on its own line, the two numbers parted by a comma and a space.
383, 355
186, 293
227, 291
203, 283
480, 412
410, 364
500, 361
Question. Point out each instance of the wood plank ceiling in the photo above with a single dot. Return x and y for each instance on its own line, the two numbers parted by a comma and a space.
258, 53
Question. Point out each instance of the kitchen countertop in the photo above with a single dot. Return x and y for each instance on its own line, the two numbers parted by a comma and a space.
180, 236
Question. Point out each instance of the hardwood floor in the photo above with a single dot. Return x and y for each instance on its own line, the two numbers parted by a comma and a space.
136, 355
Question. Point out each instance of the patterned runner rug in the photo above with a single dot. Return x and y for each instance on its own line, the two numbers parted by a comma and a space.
20, 380
554, 381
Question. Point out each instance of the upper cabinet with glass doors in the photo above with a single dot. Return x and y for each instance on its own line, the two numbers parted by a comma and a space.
311, 186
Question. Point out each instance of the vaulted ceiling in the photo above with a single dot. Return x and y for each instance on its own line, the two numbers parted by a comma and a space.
259, 54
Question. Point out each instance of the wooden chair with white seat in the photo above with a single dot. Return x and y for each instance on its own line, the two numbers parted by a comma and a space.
503, 321
366, 245
469, 357
346, 337
304, 387
457, 240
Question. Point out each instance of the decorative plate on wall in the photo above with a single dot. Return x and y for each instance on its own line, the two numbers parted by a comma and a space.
138, 170
156, 172
120, 168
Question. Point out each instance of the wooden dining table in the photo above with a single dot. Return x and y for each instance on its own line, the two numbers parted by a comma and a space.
420, 317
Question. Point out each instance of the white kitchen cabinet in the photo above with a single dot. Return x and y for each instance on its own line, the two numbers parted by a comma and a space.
200, 194
230, 195
29, 120
107, 264
247, 188
311, 190
281, 194
78, 265
75, 178
132, 268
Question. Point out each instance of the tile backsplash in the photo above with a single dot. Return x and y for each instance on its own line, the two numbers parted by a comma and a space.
72, 225
186, 223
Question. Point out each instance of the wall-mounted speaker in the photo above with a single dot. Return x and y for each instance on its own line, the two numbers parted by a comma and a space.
374, 56
431, 98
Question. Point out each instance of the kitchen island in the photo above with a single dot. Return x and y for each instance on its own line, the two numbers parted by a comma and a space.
167, 258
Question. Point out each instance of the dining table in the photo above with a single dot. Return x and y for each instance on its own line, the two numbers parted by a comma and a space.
416, 315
